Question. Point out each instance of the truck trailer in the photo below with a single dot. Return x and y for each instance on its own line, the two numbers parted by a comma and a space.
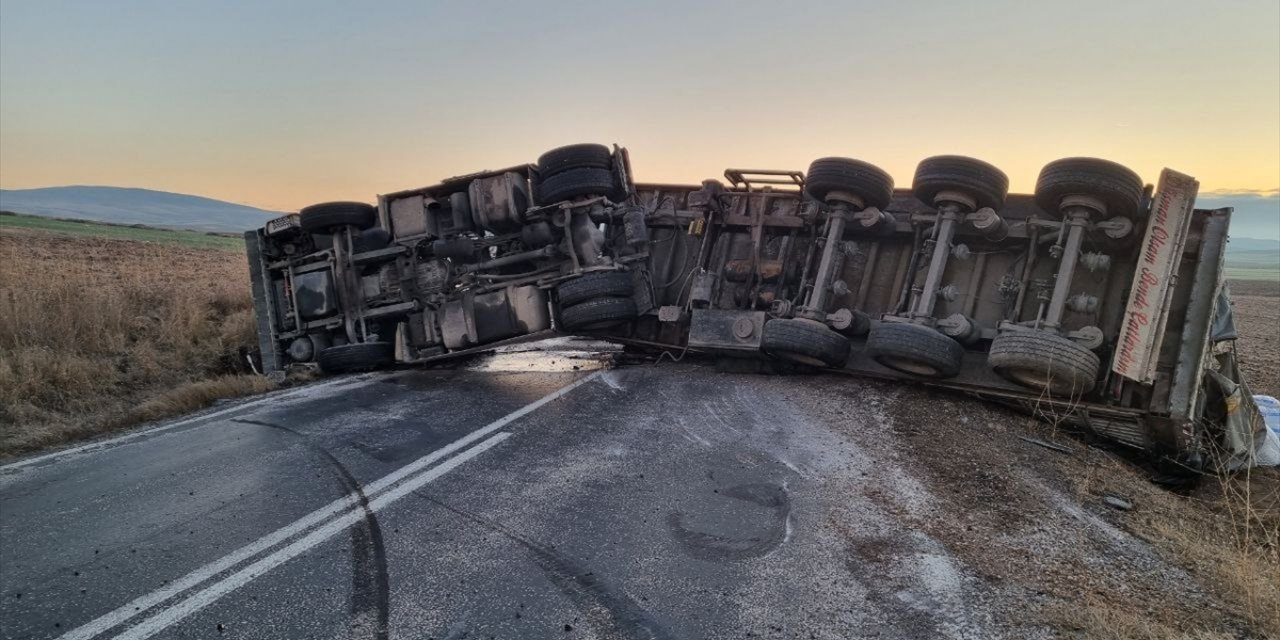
1092, 300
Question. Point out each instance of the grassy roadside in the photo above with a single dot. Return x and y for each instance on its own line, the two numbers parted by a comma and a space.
1225, 533
1253, 264
16, 222
99, 333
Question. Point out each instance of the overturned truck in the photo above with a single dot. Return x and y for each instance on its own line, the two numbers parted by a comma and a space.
1091, 300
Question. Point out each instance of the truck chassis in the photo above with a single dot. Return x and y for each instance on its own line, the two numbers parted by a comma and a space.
1090, 301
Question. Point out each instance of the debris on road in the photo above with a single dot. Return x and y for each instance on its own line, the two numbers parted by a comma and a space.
1048, 445
1118, 502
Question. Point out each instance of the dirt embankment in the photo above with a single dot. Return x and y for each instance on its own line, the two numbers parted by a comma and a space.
1159, 564
1038, 526
97, 334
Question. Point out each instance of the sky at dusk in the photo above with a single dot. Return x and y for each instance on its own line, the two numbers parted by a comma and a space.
281, 104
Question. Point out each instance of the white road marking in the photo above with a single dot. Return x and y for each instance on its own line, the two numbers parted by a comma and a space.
346, 503
213, 592
103, 444
792, 467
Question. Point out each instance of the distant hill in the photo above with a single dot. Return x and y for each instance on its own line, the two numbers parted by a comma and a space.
1253, 259
1235, 244
1256, 215
134, 206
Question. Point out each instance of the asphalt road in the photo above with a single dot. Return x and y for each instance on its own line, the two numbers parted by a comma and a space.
639, 502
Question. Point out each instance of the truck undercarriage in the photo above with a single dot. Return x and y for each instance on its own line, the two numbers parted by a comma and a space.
1091, 300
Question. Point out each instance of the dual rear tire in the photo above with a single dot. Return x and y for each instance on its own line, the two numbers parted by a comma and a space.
915, 350
870, 183
1045, 361
1114, 185
575, 171
597, 301
985, 184
327, 216
804, 341
357, 356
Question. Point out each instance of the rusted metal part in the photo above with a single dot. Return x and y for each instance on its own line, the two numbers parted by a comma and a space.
742, 271
726, 331
948, 218
1028, 266
1077, 218
817, 302
1048, 445
864, 282
749, 178
975, 283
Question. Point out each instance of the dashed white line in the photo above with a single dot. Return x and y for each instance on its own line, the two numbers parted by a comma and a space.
207, 596
334, 509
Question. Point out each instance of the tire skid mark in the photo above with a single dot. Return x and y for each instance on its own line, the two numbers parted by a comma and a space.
370, 584
729, 545
625, 617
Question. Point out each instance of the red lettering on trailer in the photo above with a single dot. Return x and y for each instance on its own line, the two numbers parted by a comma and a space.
1142, 330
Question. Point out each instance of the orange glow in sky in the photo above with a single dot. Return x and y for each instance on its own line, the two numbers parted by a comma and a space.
283, 105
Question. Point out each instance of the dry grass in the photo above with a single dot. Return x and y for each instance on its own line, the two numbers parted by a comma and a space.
97, 334
1097, 619
1226, 534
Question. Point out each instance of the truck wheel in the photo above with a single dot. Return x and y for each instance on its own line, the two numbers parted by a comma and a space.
1044, 361
359, 356
573, 183
915, 349
862, 179
603, 284
598, 313
320, 218
804, 341
1117, 186
970, 176
575, 156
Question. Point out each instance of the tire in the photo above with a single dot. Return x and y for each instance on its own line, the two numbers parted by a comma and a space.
575, 156
864, 180
321, 218
1117, 186
574, 183
915, 350
359, 356
804, 341
372, 240
975, 178
1044, 361
604, 284
598, 313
